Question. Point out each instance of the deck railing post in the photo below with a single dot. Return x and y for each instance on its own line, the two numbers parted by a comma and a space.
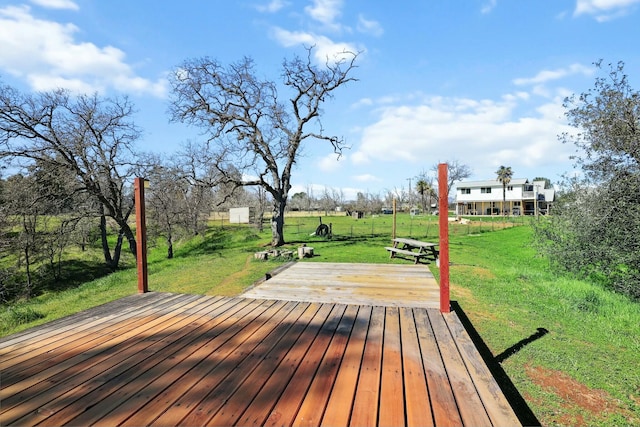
443, 208
141, 236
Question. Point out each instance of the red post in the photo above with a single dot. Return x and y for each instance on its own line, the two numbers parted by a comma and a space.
141, 236
443, 208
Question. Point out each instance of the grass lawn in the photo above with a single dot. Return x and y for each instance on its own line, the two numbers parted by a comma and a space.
570, 347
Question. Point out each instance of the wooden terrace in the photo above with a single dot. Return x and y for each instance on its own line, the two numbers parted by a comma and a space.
393, 285
171, 359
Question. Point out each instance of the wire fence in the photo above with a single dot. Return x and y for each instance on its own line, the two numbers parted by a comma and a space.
306, 224
406, 225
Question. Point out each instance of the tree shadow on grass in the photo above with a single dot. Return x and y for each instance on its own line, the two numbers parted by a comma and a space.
73, 273
517, 402
212, 242
338, 240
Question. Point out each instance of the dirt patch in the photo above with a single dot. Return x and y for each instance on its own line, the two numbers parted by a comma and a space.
463, 293
470, 304
479, 272
582, 405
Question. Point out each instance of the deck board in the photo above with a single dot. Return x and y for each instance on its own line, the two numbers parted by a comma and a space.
167, 359
365, 403
392, 285
417, 393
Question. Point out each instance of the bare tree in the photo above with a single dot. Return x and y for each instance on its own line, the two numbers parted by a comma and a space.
260, 204
27, 212
250, 127
194, 166
299, 201
167, 207
328, 202
87, 136
456, 171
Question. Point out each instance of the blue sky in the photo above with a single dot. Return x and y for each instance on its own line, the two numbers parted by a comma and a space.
477, 81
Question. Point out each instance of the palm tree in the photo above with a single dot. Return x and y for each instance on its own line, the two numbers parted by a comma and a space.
504, 176
423, 187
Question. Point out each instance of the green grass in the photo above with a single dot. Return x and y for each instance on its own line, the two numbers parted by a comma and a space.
583, 371
593, 340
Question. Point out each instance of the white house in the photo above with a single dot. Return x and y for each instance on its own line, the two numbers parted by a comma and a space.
485, 197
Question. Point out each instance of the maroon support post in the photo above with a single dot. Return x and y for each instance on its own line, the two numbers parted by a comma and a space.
141, 236
443, 207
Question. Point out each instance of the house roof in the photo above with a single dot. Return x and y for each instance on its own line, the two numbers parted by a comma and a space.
490, 183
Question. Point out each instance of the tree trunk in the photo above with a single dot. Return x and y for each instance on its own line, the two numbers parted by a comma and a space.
277, 224
260, 219
170, 246
131, 238
117, 250
106, 251
27, 261
504, 198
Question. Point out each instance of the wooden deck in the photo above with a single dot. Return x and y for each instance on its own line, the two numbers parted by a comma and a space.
167, 359
389, 285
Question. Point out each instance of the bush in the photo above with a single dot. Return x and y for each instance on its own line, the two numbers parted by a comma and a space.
595, 233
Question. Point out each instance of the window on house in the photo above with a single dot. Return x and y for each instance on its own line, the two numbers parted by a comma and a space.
485, 190
465, 191
510, 188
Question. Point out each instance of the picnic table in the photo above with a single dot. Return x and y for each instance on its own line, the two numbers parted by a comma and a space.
413, 248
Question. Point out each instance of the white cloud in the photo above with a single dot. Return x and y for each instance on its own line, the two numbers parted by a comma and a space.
46, 54
56, 4
546, 76
319, 190
604, 10
351, 193
272, 7
363, 102
489, 6
46, 82
325, 12
369, 27
325, 48
367, 177
331, 162
359, 157
481, 133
